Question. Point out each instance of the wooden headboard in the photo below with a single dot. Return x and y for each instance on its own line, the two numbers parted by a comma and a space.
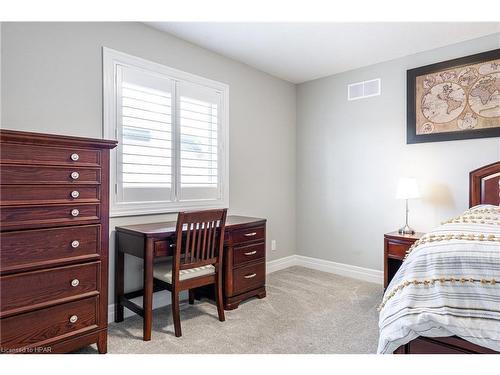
484, 185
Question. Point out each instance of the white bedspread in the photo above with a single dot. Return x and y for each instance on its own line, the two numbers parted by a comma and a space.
449, 284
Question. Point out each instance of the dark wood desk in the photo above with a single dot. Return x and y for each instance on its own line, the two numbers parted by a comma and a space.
244, 262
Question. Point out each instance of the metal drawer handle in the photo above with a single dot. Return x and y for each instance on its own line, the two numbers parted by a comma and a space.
75, 175
250, 234
251, 253
75, 244
75, 157
73, 318
75, 282
250, 276
75, 212
75, 194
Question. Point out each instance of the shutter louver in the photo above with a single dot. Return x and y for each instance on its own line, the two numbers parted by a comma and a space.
145, 105
199, 132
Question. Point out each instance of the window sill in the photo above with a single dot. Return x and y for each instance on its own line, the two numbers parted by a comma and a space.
183, 206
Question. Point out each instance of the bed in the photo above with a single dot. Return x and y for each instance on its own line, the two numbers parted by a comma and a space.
449, 285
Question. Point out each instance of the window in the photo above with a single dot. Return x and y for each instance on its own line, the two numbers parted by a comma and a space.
172, 132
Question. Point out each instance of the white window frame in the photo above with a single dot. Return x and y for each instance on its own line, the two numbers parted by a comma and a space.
113, 58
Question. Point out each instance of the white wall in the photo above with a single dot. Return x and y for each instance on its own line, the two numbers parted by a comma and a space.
52, 82
351, 154
344, 158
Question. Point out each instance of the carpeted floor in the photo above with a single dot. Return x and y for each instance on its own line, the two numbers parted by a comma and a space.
305, 311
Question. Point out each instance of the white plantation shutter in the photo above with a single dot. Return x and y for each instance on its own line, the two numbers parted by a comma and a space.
145, 136
199, 132
172, 137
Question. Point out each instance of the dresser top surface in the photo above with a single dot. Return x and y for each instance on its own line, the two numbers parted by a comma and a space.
166, 227
23, 137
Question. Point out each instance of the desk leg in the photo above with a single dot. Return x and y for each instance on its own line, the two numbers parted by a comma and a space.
148, 290
119, 280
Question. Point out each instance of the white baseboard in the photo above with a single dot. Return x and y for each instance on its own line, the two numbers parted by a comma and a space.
360, 273
281, 263
161, 299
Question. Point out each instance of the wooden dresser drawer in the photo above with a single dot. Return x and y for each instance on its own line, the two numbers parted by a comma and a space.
249, 277
26, 291
41, 327
33, 175
36, 154
248, 253
39, 216
29, 249
397, 249
26, 194
246, 235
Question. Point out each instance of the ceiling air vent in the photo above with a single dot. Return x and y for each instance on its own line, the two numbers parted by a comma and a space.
365, 89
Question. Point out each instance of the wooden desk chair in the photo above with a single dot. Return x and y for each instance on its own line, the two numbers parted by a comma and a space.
196, 261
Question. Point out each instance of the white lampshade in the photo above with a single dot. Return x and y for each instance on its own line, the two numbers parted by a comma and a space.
407, 188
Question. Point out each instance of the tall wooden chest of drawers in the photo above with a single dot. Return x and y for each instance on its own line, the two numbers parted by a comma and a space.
54, 198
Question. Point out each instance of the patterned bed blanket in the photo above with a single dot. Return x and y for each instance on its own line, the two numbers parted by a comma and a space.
449, 284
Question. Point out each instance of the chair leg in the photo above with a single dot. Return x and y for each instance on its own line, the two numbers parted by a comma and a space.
176, 314
191, 296
219, 299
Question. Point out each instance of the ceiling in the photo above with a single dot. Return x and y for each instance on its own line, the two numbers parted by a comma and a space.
299, 52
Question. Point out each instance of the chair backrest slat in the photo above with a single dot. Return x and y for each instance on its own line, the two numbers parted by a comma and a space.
193, 245
188, 238
211, 226
214, 238
198, 247
200, 240
204, 243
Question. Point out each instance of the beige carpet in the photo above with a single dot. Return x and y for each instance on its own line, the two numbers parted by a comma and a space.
305, 311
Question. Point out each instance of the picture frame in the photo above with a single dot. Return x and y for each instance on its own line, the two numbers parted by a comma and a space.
453, 99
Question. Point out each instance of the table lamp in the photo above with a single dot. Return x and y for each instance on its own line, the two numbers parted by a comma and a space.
407, 189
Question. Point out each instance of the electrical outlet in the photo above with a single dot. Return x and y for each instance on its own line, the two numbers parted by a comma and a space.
273, 245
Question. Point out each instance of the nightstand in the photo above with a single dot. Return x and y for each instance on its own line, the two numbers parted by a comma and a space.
395, 247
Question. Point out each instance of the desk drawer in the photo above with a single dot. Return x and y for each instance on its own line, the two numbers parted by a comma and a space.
32, 154
247, 235
43, 326
33, 175
249, 277
248, 253
39, 216
29, 249
162, 249
24, 291
26, 194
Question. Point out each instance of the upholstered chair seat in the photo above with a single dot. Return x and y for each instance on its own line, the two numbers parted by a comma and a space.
163, 271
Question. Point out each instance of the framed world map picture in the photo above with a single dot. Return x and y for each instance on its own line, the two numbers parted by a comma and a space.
455, 99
